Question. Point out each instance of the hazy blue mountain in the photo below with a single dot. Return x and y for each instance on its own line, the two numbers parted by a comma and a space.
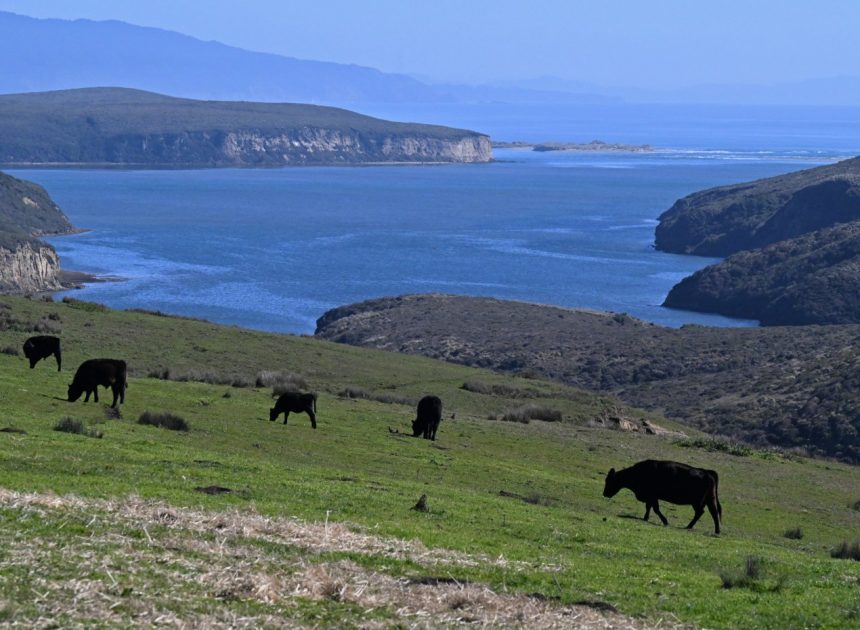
49, 54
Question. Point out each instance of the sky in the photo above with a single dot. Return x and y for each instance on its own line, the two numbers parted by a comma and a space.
638, 43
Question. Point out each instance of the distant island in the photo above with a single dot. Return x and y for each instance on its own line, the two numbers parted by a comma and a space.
594, 145
792, 241
119, 127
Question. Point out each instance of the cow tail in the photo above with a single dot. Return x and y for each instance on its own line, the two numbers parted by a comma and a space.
717, 495
315, 403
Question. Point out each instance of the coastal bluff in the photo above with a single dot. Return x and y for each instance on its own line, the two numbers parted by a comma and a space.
27, 265
119, 127
792, 241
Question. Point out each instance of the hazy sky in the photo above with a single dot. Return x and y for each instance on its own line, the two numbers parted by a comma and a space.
659, 43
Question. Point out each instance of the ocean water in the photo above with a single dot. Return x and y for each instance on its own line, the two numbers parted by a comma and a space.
274, 249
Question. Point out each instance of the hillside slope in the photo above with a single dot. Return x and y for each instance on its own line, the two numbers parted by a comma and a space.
722, 221
314, 527
810, 279
117, 126
787, 387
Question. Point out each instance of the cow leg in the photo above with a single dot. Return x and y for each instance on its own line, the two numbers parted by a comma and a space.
313, 418
286, 416
657, 511
96, 393
59, 358
122, 394
715, 514
87, 397
115, 391
699, 510
647, 511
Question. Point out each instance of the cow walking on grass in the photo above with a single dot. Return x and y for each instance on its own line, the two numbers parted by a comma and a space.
653, 480
294, 402
94, 372
41, 347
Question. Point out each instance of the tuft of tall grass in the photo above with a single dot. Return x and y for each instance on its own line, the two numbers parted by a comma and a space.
793, 533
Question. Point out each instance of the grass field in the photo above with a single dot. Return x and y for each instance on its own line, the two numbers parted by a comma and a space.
318, 528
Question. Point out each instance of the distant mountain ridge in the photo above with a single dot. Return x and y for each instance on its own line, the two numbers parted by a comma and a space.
125, 127
51, 54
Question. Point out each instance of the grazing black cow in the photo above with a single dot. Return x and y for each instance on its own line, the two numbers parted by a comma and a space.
428, 418
41, 347
652, 480
94, 372
295, 402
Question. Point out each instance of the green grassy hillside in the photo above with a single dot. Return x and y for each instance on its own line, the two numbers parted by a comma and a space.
319, 526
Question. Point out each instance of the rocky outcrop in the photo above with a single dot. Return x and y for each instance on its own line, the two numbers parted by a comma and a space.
722, 221
111, 126
28, 265
29, 268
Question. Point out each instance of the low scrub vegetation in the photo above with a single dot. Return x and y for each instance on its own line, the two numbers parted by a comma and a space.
90, 307
164, 419
200, 376
530, 412
717, 445
67, 424
503, 391
388, 398
281, 382
10, 350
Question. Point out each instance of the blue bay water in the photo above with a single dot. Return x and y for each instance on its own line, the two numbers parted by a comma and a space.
273, 249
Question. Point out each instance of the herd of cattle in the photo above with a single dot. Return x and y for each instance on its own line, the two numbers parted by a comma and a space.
651, 481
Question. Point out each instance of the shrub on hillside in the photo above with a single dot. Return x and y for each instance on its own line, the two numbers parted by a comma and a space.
67, 424
717, 445
10, 350
751, 576
164, 419
846, 550
793, 533
529, 412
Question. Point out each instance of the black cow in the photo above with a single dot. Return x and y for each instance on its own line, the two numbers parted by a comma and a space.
41, 347
428, 417
295, 402
652, 480
94, 372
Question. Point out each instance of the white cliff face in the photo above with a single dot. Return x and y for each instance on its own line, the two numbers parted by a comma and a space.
29, 269
318, 146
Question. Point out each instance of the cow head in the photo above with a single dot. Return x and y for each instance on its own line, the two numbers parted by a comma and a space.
75, 392
612, 485
273, 413
417, 427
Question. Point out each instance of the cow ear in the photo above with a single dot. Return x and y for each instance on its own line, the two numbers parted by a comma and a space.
611, 473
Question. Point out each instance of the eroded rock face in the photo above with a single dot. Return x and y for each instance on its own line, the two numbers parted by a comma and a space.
29, 268
307, 145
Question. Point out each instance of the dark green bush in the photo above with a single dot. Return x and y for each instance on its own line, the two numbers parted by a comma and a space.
67, 424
